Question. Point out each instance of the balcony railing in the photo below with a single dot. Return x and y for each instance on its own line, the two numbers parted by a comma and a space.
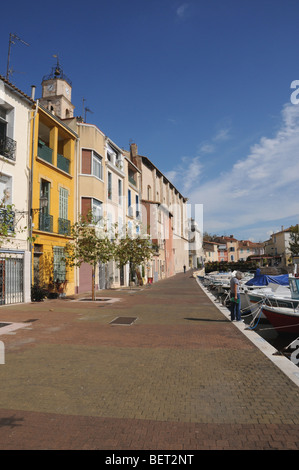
45, 152
64, 226
8, 148
45, 222
132, 181
63, 163
7, 221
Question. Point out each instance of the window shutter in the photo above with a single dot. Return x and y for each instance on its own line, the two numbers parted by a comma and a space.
63, 203
86, 162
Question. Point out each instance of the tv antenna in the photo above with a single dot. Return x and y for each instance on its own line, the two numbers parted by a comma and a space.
12, 38
86, 110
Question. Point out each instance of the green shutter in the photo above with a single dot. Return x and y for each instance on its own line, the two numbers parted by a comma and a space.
63, 203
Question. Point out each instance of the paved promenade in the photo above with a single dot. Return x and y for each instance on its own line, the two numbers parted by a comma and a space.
180, 377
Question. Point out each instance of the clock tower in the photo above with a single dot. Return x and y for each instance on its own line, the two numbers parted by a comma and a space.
57, 93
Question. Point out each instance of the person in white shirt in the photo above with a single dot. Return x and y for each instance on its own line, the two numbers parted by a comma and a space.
235, 308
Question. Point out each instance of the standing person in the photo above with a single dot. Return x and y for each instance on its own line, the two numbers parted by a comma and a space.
235, 308
184, 268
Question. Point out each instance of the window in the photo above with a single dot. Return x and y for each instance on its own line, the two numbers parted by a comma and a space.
96, 210
45, 192
92, 163
90, 205
120, 192
63, 203
130, 213
109, 185
137, 205
59, 272
5, 189
97, 167
7, 144
64, 225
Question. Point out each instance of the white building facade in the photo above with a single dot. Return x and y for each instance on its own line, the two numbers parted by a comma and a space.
15, 250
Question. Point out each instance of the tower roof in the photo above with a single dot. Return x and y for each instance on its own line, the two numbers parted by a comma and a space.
57, 73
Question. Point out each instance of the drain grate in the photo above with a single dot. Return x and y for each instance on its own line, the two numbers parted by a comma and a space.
123, 321
4, 324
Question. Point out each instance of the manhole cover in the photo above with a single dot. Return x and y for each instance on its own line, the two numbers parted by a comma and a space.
123, 321
4, 324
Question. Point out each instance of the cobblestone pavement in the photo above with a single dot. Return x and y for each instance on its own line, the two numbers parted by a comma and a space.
180, 377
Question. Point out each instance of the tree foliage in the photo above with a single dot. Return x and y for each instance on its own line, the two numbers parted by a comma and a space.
91, 244
7, 223
132, 250
294, 240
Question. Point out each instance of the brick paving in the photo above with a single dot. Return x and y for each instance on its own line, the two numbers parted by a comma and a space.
181, 377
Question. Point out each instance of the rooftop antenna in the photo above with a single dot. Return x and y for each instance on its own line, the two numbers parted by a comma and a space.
86, 110
12, 38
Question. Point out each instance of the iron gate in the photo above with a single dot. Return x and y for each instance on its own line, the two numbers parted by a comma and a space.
11, 280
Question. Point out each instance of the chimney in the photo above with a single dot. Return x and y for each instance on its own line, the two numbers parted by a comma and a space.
135, 158
32, 92
134, 150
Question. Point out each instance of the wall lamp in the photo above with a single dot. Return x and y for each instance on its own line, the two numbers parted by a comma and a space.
43, 203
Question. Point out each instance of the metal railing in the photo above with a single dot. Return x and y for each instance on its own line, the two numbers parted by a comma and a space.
64, 226
8, 148
63, 163
11, 280
7, 220
45, 222
45, 152
131, 180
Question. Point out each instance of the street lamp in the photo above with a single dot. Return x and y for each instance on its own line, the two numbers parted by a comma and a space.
43, 202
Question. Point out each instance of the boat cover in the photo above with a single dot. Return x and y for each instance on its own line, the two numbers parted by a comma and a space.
265, 279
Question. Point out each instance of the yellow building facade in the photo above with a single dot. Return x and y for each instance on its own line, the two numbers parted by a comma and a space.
53, 200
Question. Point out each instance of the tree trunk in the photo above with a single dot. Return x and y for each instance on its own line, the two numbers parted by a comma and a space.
93, 283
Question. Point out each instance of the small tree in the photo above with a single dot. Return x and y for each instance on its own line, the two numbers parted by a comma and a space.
132, 250
7, 222
294, 240
91, 244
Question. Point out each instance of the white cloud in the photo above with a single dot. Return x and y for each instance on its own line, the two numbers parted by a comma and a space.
186, 175
206, 148
260, 188
222, 134
182, 10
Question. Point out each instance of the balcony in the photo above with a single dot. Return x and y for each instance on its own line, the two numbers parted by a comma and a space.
63, 163
8, 148
64, 226
45, 152
132, 180
45, 222
7, 221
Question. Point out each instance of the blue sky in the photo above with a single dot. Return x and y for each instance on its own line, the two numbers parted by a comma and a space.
202, 86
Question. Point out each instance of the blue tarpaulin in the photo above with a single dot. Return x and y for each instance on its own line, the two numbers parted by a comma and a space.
264, 280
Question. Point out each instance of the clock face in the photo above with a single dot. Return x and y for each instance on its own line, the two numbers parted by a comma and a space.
67, 90
50, 87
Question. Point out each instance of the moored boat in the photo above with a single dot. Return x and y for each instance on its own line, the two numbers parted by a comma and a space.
278, 295
284, 320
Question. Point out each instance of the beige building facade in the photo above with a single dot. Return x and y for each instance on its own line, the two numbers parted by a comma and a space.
164, 213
